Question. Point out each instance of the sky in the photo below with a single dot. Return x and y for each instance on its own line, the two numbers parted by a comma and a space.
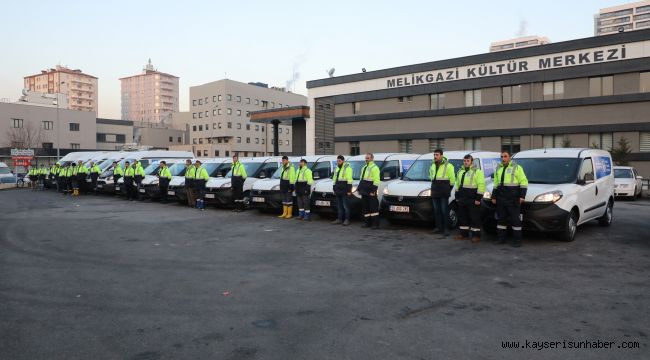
265, 41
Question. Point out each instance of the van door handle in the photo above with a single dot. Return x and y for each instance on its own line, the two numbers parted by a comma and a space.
596, 190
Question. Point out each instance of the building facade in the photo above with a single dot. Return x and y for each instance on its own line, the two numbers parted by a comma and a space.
582, 93
219, 123
80, 89
113, 134
626, 17
519, 42
149, 96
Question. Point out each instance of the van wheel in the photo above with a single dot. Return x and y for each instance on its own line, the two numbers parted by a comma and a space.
606, 219
453, 215
570, 227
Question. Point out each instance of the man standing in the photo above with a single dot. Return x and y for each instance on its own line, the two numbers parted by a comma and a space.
237, 179
368, 189
442, 179
32, 174
304, 181
117, 173
510, 186
63, 178
470, 186
82, 174
342, 180
42, 174
287, 185
129, 187
201, 177
190, 171
164, 177
94, 175
137, 177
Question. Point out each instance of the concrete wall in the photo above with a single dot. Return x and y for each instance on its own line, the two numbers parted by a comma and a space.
110, 131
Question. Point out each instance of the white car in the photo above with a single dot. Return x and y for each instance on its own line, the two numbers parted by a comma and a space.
627, 182
216, 168
409, 199
391, 167
567, 187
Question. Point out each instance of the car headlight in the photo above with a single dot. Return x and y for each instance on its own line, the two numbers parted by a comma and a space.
487, 195
225, 185
275, 188
549, 197
425, 193
385, 191
354, 189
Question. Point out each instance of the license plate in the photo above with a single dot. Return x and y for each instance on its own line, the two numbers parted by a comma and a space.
258, 199
400, 209
322, 203
100, 186
172, 193
209, 196
89, 180
142, 190
117, 188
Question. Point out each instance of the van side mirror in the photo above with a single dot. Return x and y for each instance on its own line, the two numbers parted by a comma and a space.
586, 179
262, 175
316, 176
386, 176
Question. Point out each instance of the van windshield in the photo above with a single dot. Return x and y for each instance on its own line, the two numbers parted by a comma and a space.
623, 174
177, 169
250, 167
358, 165
151, 169
4, 170
278, 172
218, 170
419, 171
549, 170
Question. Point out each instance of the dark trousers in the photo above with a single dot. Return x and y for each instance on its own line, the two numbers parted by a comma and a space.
469, 217
93, 179
58, 183
238, 196
369, 207
189, 192
303, 202
130, 190
287, 198
162, 188
508, 212
343, 207
441, 213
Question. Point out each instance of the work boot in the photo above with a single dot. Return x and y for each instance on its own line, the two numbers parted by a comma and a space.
307, 216
301, 215
284, 212
367, 223
375, 222
346, 222
336, 222
289, 212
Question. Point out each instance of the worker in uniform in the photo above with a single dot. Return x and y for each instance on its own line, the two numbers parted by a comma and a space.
510, 186
129, 186
56, 175
470, 187
442, 178
117, 173
42, 174
287, 186
74, 179
304, 181
50, 174
32, 174
237, 179
201, 177
164, 177
95, 171
190, 171
82, 174
67, 178
138, 176
342, 186
368, 187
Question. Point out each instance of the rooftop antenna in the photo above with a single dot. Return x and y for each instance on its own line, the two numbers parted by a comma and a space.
330, 72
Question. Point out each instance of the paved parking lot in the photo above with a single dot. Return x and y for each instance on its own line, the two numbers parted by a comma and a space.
101, 278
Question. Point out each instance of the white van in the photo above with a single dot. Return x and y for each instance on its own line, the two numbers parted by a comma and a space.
219, 191
149, 188
566, 187
265, 193
6, 175
216, 168
391, 167
409, 199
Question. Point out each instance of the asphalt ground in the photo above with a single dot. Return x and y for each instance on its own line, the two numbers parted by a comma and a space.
103, 278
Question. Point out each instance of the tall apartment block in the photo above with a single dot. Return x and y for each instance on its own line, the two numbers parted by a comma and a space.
621, 18
219, 124
79, 88
149, 96
518, 43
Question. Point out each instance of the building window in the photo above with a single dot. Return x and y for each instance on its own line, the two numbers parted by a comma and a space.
238, 112
472, 143
603, 141
473, 97
257, 128
511, 144
553, 90
356, 107
601, 86
120, 138
200, 127
436, 144
400, 99
229, 125
272, 105
238, 139
75, 146
229, 111
644, 141
201, 115
238, 125
248, 140
198, 153
265, 104
286, 130
214, 112
74, 126
17, 123
205, 152
179, 139
257, 101
194, 141
279, 142
206, 114
218, 111
193, 127
214, 126
406, 146
437, 101
193, 115
238, 98
354, 148
248, 126
200, 140
263, 128
257, 140
171, 139
47, 145
263, 141
511, 94
200, 101
248, 100
644, 83
228, 97
48, 125
555, 141
248, 114
287, 142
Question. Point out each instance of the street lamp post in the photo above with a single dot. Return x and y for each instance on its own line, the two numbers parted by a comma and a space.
58, 122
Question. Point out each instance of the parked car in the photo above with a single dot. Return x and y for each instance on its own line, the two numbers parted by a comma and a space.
627, 182
409, 199
567, 187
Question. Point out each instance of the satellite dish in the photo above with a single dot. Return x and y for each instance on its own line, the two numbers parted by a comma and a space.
330, 72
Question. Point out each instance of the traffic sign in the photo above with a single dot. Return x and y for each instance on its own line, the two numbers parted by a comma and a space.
22, 152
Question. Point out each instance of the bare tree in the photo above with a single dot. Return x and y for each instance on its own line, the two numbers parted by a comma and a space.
29, 136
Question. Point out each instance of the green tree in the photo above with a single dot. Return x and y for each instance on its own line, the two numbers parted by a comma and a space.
620, 153
566, 142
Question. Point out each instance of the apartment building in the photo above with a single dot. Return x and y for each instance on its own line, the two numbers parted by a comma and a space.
149, 96
80, 89
519, 42
626, 17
